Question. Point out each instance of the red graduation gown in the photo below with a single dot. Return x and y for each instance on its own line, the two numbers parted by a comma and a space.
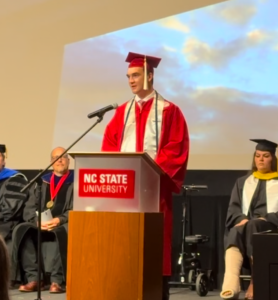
172, 157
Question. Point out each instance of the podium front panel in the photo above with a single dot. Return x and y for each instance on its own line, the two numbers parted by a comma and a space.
114, 184
114, 256
150, 183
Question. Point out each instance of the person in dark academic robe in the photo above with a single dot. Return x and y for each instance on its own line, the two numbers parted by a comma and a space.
4, 270
56, 196
253, 208
149, 123
12, 200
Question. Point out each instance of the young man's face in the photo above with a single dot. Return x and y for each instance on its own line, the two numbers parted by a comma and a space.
136, 79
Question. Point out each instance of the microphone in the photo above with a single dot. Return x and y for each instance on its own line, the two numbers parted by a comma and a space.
102, 111
195, 187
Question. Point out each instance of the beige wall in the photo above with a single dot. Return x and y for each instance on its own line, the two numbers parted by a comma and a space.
32, 42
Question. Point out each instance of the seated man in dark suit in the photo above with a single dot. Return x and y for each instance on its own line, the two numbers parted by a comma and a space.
12, 201
57, 196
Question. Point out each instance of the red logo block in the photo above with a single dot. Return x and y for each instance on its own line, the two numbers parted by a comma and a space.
106, 183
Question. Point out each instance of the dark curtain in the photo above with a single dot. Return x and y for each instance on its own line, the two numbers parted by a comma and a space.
206, 215
207, 218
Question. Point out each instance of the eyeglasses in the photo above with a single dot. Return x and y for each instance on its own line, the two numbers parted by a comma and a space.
62, 157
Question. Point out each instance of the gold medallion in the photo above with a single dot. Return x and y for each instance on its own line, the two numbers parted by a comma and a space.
49, 204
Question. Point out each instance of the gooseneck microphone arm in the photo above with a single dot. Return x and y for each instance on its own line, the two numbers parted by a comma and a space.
100, 113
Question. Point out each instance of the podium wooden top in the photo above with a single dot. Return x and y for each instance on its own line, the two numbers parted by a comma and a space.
143, 155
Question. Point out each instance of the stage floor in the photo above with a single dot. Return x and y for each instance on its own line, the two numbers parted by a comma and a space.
176, 294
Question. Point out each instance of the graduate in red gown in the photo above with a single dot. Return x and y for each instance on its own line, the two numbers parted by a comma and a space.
149, 123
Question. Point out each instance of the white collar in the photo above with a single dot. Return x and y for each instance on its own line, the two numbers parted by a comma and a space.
151, 95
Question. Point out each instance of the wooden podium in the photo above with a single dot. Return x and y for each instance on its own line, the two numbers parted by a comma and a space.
115, 237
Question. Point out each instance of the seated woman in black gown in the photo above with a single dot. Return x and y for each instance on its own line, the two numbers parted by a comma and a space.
253, 208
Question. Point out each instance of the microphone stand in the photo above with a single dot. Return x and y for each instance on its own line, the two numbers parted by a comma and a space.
186, 207
38, 180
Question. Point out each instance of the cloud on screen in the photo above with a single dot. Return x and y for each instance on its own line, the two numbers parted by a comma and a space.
223, 80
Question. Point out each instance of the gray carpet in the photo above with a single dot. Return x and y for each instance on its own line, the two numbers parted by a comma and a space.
176, 294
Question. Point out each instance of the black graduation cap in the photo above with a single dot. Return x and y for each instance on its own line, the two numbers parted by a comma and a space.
3, 148
265, 145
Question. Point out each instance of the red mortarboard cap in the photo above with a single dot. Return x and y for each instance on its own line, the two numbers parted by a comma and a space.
143, 61
137, 60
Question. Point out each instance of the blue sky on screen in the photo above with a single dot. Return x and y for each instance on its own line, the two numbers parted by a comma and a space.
219, 64
238, 38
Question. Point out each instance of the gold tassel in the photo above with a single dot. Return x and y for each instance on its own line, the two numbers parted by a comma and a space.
145, 75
